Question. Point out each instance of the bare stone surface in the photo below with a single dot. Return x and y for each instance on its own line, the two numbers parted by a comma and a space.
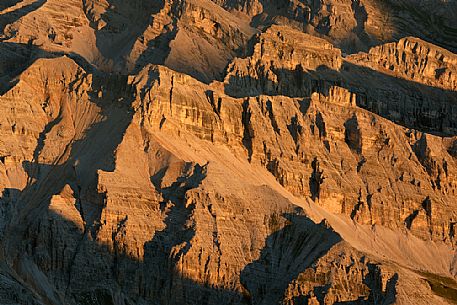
227, 152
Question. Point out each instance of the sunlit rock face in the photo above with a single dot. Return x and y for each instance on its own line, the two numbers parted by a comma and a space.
228, 152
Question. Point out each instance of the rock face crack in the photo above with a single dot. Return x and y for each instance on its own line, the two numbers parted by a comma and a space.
316, 179
247, 129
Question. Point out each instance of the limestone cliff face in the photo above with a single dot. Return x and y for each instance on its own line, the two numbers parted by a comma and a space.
278, 62
357, 25
143, 162
429, 106
415, 60
201, 37
116, 35
296, 140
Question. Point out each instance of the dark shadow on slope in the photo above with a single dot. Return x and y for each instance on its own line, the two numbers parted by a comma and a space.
164, 253
442, 286
15, 15
378, 295
158, 278
158, 49
319, 19
315, 180
103, 276
287, 253
15, 58
411, 19
126, 22
94, 152
361, 17
408, 103
8, 3
411, 104
85, 157
94, 274
405, 18
373, 282
296, 248
291, 83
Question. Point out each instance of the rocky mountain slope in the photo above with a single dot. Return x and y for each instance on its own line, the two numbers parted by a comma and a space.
228, 152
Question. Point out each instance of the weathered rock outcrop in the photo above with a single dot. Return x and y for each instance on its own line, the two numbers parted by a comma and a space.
165, 225
200, 37
295, 140
357, 25
415, 101
415, 60
116, 35
278, 64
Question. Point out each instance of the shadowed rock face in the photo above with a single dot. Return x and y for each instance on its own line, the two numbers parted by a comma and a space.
227, 152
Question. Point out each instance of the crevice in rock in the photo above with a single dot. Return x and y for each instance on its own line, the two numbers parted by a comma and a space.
316, 179
295, 129
248, 132
353, 135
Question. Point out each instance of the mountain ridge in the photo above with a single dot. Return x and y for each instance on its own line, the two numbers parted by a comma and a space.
217, 157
